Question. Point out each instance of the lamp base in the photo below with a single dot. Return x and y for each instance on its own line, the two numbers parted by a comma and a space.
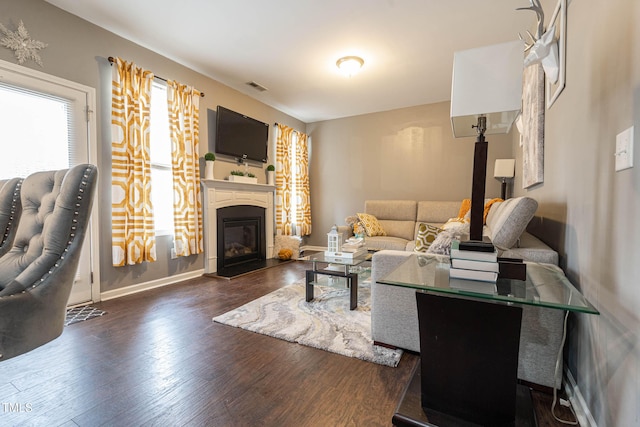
478, 187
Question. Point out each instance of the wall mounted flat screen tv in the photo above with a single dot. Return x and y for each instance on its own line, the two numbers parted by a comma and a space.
241, 136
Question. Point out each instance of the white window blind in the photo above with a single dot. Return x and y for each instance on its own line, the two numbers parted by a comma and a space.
37, 129
160, 154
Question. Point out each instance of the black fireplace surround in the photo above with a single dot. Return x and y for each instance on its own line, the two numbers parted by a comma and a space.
241, 236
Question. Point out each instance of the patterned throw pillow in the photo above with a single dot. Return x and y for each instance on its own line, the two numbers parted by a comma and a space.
371, 225
426, 235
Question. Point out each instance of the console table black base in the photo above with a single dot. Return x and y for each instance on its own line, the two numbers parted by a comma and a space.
409, 412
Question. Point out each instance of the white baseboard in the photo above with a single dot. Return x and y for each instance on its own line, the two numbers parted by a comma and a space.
134, 289
583, 414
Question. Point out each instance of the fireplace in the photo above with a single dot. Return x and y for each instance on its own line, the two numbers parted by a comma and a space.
218, 195
241, 236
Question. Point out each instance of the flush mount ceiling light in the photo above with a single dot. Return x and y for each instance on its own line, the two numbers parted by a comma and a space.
349, 65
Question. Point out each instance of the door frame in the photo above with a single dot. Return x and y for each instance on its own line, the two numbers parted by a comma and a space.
92, 152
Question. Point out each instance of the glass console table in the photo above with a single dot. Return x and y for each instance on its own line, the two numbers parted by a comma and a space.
469, 342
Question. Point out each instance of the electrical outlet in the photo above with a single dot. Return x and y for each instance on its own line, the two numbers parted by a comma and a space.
173, 253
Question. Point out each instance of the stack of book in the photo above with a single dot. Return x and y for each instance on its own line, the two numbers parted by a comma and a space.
352, 248
474, 266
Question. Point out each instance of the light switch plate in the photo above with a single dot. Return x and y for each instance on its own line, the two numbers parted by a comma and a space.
624, 149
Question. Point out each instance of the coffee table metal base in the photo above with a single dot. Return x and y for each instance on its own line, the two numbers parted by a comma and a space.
352, 283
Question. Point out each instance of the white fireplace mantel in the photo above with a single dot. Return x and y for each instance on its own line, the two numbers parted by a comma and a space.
220, 194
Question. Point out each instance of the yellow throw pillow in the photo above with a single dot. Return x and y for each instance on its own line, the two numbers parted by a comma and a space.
371, 225
464, 208
487, 208
426, 235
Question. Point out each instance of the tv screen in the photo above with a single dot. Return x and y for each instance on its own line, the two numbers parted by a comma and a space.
241, 136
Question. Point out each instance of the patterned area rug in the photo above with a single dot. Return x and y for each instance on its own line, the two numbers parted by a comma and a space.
80, 314
325, 323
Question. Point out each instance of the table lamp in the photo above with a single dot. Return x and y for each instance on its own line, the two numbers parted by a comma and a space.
504, 170
486, 97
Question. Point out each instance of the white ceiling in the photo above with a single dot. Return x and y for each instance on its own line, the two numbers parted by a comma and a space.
291, 46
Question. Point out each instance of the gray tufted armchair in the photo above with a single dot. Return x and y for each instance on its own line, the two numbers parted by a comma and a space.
10, 209
37, 273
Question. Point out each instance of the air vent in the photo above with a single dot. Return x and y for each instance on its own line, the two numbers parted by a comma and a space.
257, 86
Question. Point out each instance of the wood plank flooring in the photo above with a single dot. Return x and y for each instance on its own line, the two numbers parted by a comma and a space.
156, 358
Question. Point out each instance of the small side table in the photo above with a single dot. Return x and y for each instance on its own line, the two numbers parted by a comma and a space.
343, 271
468, 369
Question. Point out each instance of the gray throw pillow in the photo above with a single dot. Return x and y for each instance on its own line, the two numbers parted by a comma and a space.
510, 220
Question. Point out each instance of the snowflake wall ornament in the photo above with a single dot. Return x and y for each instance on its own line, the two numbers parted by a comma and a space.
23, 46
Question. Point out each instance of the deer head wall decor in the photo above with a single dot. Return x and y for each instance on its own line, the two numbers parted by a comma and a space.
543, 48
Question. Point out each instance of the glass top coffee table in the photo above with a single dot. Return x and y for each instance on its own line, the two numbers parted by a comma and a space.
345, 270
469, 342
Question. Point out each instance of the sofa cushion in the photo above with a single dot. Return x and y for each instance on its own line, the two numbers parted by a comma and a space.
398, 210
532, 249
386, 242
509, 220
397, 217
437, 212
402, 229
492, 212
427, 233
371, 225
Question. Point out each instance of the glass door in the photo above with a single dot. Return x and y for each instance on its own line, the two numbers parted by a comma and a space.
45, 125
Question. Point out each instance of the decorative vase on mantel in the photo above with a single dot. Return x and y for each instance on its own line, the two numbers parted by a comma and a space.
208, 169
271, 175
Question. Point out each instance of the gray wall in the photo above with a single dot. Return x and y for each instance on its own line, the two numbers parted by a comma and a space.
77, 51
408, 153
591, 213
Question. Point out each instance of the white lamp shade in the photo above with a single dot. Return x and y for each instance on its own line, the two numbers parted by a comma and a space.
487, 81
505, 168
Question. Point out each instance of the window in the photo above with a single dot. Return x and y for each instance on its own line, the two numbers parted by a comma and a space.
160, 153
33, 122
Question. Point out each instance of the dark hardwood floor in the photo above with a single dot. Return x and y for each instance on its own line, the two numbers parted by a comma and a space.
156, 358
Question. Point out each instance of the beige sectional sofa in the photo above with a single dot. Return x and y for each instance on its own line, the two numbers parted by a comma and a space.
506, 224
394, 318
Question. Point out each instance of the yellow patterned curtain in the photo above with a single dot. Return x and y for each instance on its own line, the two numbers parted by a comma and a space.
184, 112
303, 193
133, 235
293, 197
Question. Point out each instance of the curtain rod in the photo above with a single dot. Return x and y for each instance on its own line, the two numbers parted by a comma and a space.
112, 60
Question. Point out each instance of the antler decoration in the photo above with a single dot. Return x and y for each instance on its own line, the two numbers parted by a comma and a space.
537, 8
543, 48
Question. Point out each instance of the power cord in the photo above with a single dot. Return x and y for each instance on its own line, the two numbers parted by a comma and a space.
563, 402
